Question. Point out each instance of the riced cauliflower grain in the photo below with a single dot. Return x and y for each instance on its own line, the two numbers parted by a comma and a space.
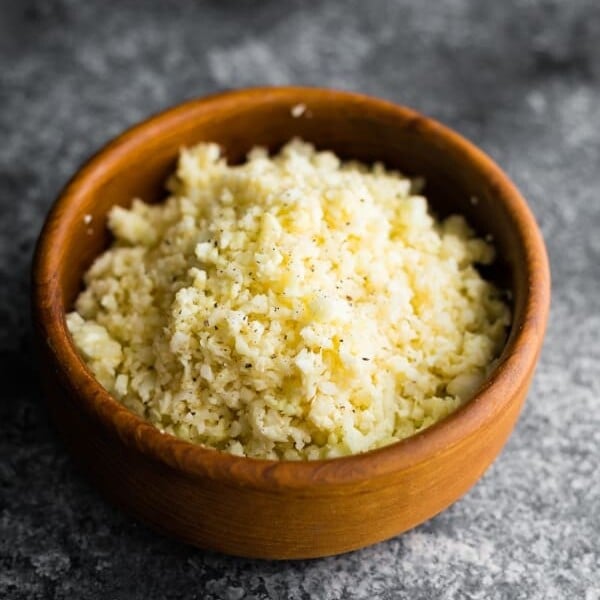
292, 307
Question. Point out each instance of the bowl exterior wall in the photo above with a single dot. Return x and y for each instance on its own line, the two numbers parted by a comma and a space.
283, 524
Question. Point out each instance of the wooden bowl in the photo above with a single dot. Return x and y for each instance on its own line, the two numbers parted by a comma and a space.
280, 509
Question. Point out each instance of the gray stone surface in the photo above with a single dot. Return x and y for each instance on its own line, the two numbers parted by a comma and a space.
520, 78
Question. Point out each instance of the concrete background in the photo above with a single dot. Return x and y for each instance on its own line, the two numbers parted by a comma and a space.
520, 78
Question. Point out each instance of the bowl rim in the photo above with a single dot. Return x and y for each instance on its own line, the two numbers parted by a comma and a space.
507, 380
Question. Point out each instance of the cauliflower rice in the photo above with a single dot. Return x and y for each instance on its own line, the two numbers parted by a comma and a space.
293, 307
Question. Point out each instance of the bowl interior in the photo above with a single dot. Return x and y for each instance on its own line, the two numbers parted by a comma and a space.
138, 164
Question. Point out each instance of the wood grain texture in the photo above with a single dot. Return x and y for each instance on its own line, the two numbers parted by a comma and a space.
280, 509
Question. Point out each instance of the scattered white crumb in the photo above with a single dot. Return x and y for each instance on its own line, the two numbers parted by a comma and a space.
298, 110
87, 219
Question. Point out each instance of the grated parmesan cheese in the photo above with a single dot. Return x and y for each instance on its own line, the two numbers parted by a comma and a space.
293, 307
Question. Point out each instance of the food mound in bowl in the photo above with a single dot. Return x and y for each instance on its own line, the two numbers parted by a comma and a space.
292, 307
